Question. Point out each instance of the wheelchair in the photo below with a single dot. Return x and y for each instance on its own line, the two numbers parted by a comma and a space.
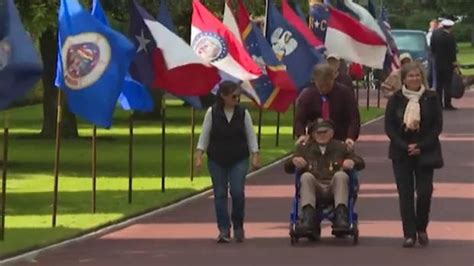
325, 211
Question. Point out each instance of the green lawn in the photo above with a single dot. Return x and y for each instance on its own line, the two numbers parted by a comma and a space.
30, 179
466, 56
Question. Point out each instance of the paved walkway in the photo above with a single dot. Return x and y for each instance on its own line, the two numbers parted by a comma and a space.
185, 236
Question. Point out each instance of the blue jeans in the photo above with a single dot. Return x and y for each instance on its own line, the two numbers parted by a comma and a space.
221, 178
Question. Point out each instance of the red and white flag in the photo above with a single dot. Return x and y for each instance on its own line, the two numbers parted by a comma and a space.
176, 68
347, 37
217, 45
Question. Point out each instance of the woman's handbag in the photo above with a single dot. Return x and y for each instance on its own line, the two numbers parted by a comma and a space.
457, 85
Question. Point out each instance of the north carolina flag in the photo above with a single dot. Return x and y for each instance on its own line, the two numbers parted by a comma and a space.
275, 88
300, 25
177, 68
347, 37
364, 17
217, 45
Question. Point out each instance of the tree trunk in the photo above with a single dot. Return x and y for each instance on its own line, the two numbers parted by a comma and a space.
48, 47
472, 34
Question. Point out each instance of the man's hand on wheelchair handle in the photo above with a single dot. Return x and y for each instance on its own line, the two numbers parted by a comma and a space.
299, 162
350, 144
348, 164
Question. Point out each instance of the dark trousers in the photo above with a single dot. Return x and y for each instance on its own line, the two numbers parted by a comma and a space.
410, 177
443, 85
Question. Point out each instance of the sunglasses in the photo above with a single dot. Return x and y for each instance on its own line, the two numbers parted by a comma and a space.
235, 96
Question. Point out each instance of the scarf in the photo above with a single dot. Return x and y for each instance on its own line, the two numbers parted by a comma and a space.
412, 116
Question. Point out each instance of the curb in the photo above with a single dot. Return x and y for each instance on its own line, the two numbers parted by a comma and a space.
30, 256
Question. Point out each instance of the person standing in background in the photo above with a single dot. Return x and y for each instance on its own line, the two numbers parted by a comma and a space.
431, 66
443, 49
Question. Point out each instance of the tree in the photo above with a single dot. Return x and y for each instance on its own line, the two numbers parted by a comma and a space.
39, 18
462, 8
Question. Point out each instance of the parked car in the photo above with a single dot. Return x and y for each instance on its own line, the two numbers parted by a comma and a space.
414, 43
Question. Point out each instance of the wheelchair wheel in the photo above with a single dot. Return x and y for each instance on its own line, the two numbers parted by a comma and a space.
355, 237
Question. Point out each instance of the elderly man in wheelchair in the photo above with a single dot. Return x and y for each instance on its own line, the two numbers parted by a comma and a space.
324, 164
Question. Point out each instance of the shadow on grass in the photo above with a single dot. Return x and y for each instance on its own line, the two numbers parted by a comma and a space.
80, 202
16, 238
34, 156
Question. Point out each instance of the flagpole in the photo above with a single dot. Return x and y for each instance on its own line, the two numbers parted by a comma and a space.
94, 168
130, 158
163, 142
4, 173
377, 83
193, 127
260, 114
278, 130
294, 116
357, 92
56, 157
368, 90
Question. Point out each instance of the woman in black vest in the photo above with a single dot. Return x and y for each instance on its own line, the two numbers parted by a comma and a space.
413, 122
228, 137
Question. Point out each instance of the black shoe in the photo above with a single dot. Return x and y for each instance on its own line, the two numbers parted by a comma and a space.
239, 235
223, 237
341, 218
409, 242
423, 239
450, 108
307, 223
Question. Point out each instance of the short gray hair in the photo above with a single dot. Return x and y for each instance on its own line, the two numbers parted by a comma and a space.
323, 72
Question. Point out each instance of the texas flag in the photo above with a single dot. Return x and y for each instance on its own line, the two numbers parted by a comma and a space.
347, 37
217, 45
176, 68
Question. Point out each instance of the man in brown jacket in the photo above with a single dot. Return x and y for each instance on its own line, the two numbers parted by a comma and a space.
328, 100
323, 162
393, 83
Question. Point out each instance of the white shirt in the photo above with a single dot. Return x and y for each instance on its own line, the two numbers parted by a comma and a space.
323, 149
205, 136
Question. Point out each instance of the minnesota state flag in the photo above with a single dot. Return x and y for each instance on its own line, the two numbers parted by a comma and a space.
94, 61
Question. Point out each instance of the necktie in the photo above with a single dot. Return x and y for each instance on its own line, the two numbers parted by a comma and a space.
324, 107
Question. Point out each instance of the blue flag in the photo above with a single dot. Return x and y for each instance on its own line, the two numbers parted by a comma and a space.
274, 89
165, 19
290, 47
134, 95
20, 65
94, 62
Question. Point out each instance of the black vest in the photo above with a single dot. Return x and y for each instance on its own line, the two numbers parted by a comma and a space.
228, 140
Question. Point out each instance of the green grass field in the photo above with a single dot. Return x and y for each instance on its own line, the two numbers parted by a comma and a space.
30, 179
466, 56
